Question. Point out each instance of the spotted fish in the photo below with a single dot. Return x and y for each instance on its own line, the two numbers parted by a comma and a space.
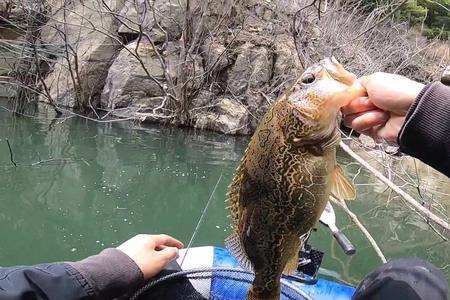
287, 174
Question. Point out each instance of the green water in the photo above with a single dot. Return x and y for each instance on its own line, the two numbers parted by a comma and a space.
81, 186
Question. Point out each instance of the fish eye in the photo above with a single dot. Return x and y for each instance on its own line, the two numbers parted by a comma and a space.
308, 78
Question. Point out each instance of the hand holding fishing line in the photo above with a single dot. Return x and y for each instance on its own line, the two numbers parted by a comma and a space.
151, 253
382, 113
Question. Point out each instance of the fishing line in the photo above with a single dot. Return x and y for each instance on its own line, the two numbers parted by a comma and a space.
200, 219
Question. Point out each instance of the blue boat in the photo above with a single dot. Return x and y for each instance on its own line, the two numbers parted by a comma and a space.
215, 274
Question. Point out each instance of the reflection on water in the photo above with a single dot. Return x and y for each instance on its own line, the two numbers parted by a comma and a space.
81, 186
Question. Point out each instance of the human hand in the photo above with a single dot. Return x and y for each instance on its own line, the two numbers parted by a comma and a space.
382, 113
151, 253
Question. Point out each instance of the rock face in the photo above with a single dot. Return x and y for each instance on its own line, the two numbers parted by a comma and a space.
230, 117
156, 20
127, 83
215, 64
134, 60
11, 11
251, 70
215, 56
230, 76
78, 75
139, 85
286, 67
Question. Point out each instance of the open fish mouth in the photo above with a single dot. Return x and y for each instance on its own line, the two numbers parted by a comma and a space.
337, 71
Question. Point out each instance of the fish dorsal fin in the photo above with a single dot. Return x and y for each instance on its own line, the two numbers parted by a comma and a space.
342, 188
233, 244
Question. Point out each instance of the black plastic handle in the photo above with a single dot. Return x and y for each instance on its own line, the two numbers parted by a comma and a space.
343, 241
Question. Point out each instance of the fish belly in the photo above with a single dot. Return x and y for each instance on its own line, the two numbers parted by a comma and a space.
272, 226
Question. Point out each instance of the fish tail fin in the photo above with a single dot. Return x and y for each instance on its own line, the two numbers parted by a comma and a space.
295, 245
234, 245
251, 295
292, 264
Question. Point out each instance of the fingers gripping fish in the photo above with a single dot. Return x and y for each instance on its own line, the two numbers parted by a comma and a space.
287, 174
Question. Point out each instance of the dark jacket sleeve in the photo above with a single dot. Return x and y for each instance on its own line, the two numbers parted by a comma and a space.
104, 276
426, 131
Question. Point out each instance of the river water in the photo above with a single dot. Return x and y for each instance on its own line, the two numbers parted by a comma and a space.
80, 186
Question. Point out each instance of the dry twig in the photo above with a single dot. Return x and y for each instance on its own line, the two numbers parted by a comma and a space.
355, 220
417, 206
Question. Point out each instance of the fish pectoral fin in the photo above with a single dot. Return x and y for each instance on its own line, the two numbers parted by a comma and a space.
292, 264
234, 245
342, 188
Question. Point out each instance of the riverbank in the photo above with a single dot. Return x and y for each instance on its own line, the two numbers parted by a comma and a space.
215, 66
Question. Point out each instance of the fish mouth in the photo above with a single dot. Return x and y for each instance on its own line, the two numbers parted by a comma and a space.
332, 66
334, 70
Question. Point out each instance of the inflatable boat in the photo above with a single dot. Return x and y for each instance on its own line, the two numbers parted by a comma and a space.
212, 273
229, 281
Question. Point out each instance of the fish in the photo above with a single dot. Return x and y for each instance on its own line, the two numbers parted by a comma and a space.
286, 175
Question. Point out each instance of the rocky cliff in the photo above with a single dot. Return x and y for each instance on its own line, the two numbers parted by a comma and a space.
214, 64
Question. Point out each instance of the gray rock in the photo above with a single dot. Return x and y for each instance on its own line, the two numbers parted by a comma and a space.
203, 99
229, 117
251, 70
287, 66
214, 56
130, 18
257, 105
76, 84
128, 84
5, 8
12, 11
193, 67
288, 7
164, 17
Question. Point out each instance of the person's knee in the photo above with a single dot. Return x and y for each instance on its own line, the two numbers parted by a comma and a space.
406, 278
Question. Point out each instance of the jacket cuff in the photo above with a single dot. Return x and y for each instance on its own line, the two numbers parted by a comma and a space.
426, 130
110, 274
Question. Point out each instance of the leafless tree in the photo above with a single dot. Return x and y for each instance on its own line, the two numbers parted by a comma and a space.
364, 43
